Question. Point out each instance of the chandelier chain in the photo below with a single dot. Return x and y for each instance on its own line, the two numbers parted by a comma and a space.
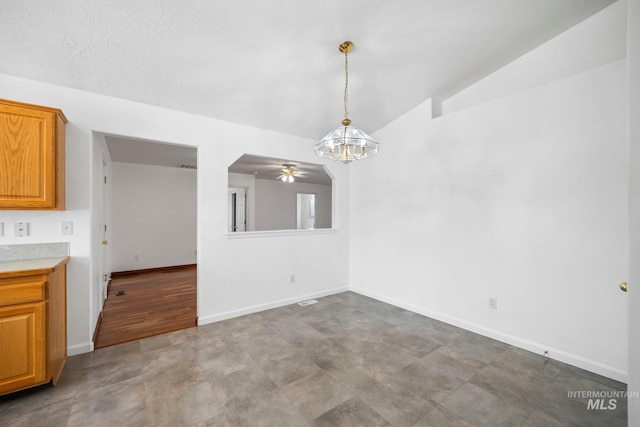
346, 86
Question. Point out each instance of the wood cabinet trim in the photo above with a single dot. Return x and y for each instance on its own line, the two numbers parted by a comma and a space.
34, 107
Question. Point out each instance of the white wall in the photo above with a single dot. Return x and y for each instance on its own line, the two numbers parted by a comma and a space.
522, 199
225, 286
154, 216
276, 204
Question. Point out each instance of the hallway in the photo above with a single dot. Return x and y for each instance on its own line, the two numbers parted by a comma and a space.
147, 303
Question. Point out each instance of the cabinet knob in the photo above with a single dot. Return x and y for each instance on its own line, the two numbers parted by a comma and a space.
623, 286
105, 242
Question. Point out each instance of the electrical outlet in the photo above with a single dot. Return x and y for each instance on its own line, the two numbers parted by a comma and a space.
1, 229
136, 257
493, 303
293, 278
20, 229
66, 228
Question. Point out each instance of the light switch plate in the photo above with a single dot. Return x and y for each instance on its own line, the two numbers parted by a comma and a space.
20, 229
66, 228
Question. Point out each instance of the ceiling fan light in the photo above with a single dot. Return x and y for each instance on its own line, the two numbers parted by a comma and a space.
287, 174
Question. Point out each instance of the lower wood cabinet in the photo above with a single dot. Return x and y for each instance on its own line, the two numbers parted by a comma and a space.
33, 327
22, 339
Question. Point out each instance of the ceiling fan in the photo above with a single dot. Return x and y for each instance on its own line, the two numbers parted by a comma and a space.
274, 169
287, 173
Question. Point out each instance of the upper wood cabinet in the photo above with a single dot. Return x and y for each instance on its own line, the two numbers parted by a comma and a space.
32, 141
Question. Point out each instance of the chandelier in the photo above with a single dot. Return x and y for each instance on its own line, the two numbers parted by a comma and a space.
346, 143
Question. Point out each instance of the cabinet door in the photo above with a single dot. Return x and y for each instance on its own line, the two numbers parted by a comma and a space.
22, 346
28, 162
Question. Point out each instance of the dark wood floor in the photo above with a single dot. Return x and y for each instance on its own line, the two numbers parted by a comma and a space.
153, 303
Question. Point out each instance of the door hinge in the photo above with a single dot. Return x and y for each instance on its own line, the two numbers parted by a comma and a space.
105, 179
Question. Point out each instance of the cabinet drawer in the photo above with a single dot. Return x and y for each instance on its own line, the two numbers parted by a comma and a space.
22, 290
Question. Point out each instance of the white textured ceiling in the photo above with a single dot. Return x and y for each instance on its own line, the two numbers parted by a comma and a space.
275, 64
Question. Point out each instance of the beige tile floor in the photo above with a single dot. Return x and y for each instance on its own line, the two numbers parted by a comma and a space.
346, 361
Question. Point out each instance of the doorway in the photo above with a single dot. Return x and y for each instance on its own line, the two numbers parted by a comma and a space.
305, 211
237, 215
153, 232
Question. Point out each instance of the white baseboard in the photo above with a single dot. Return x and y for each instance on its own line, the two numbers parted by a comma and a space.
534, 347
80, 349
268, 306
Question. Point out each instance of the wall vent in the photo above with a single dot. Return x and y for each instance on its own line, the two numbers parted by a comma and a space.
183, 166
307, 302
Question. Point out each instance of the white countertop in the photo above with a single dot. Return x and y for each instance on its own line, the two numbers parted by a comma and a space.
38, 265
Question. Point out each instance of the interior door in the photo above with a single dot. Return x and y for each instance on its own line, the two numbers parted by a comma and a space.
237, 201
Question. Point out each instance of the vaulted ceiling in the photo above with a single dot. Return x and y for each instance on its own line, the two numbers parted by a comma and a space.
275, 64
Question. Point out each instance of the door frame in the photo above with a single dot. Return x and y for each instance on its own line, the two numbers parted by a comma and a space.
232, 208
633, 279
